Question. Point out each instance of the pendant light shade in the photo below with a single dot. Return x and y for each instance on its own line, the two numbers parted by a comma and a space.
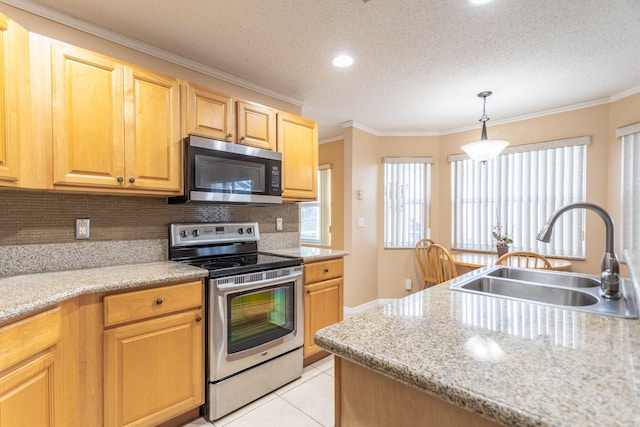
485, 149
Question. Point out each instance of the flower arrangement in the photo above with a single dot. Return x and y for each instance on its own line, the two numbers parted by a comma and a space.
501, 237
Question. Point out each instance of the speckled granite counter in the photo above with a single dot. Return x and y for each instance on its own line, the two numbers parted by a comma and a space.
29, 293
515, 363
309, 254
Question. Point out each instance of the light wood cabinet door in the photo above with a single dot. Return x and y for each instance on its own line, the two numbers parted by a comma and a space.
88, 120
298, 143
152, 131
154, 369
13, 84
256, 125
210, 114
32, 378
323, 303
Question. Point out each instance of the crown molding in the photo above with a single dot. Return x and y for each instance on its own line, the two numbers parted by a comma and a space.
146, 48
332, 139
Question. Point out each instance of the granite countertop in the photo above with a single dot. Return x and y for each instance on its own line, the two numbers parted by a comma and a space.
309, 254
512, 362
29, 293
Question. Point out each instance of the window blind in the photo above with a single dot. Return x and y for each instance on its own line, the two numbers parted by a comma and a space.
520, 190
630, 186
407, 199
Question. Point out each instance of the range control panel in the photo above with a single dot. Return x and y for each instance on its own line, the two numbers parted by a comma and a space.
203, 233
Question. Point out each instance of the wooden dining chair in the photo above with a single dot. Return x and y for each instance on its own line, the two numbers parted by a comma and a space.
524, 259
441, 263
421, 256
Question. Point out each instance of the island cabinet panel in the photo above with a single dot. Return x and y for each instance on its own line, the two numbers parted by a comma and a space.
323, 302
116, 128
298, 143
153, 365
390, 403
14, 86
256, 125
210, 113
31, 374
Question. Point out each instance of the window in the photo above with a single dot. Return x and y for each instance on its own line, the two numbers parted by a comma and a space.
315, 217
407, 200
630, 186
522, 188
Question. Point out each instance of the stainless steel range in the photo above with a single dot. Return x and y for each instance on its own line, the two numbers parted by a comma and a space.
254, 310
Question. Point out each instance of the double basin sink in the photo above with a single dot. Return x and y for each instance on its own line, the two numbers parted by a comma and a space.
564, 290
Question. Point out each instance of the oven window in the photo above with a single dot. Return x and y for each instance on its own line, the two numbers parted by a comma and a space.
259, 316
229, 175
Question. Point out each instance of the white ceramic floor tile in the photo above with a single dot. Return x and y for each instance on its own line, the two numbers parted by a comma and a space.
330, 372
276, 413
314, 398
323, 364
244, 410
200, 422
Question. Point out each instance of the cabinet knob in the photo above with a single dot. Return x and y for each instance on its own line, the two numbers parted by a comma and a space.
242, 138
198, 319
120, 179
308, 292
326, 270
132, 180
159, 301
229, 135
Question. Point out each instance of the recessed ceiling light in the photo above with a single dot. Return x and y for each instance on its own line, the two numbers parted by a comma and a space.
480, 1
342, 61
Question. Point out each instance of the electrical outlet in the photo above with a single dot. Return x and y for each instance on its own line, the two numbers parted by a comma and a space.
361, 222
278, 224
82, 228
407, 284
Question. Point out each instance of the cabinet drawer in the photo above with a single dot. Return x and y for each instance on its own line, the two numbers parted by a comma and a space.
28, 337
151, 302
323, 270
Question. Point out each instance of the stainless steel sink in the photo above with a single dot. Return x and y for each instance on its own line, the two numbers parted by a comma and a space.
564, 290
547, 278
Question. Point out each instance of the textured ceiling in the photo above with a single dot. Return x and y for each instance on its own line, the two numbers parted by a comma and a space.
418, 63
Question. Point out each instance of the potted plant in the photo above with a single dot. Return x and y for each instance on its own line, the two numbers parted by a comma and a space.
501, 237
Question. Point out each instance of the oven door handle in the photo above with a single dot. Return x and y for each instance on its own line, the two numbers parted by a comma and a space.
258, 283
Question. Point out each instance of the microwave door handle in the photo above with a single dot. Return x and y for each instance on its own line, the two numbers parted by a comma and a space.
258, 283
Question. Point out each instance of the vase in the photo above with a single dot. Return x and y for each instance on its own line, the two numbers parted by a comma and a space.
502, 249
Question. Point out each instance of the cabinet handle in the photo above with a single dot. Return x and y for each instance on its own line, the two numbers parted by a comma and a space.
198, 319
120, 179
132, 180
242, 138
229, 135
159, 301
308, 292
326, 270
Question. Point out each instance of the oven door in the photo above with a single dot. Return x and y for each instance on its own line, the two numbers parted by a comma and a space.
223, 172
253, 318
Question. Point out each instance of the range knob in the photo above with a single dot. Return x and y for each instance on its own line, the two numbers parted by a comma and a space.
183, 233
240, 231
249, 230
195, 233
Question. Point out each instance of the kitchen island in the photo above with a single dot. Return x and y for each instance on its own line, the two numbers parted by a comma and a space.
502, 361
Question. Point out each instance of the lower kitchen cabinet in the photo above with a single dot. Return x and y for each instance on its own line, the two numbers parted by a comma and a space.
153, 365
323, 302
31, 375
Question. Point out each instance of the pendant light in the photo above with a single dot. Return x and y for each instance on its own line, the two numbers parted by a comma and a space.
485, 149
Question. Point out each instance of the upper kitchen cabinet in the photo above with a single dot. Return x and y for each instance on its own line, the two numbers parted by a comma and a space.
210, 114
14, 81
298, 143
256, 125
115, 127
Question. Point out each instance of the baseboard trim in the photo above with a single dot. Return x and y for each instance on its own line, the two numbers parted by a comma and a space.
351, 311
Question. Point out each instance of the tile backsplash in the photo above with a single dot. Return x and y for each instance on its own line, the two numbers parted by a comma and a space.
38, 228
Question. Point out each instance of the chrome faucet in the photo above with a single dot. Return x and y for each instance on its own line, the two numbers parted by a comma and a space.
610, 271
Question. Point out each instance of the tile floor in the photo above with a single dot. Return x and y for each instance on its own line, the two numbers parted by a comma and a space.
305, 402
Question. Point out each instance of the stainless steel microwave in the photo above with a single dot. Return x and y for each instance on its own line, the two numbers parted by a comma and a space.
222, 172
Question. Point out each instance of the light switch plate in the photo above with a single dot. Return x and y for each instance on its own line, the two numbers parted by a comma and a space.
278, 224
82, 228
361, 222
